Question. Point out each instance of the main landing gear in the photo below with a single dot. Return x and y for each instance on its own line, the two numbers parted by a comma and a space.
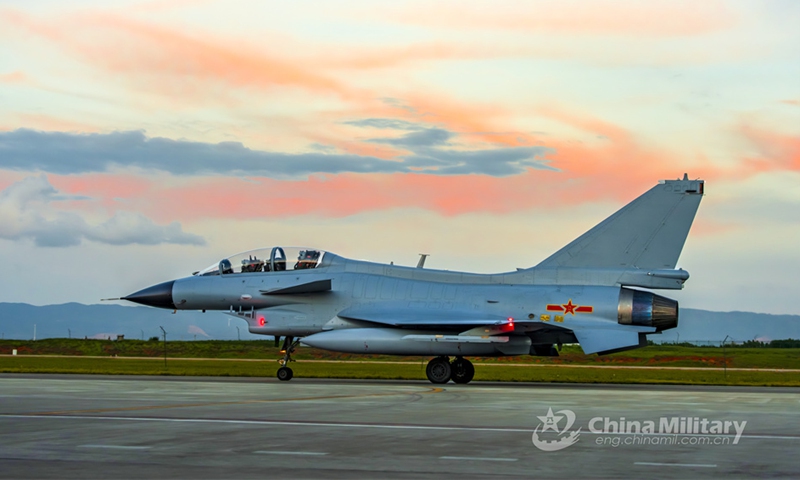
285, 373
442, 370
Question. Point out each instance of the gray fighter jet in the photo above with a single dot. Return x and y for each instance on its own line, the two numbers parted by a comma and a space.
580, 294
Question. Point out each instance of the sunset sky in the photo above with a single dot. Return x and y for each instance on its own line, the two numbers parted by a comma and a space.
143, 140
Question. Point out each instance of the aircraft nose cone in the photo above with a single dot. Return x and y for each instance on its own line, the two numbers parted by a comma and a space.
156, 296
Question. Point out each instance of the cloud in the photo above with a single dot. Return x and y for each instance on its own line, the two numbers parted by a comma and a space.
422, 138
195, 330
385, 123
427, 145
164, 59
498, 162
773, 150
349, 194
125, 228
27, 212
16, 77
472, 120
71, 153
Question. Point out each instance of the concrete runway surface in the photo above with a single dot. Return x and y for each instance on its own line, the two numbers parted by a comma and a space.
61, 426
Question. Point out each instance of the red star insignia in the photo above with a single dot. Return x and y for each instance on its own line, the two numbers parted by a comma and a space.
569, 307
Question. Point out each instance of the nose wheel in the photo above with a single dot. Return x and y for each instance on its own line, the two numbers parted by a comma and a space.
285, 373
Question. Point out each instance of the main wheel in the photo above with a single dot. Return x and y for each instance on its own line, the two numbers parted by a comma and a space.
438, 370
463, 370
285, 374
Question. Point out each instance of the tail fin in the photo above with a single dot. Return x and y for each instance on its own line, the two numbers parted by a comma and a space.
647, 233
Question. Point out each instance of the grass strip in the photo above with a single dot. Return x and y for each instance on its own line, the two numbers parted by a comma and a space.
406, 371
654, 355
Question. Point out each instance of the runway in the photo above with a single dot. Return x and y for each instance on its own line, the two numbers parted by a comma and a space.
59, 426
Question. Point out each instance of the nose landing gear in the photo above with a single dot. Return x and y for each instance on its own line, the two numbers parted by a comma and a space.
285, 373
441, 370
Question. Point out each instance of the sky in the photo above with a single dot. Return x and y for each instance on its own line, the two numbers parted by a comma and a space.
141, 141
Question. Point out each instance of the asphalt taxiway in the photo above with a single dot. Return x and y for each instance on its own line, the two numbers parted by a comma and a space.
54, 426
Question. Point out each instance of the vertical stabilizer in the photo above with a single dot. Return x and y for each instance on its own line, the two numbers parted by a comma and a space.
647, 233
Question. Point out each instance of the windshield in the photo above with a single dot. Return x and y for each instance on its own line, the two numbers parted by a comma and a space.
270, 259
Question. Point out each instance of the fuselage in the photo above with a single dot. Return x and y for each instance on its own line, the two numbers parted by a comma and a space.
546, 311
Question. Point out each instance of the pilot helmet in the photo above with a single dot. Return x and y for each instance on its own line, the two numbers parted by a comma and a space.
225, 265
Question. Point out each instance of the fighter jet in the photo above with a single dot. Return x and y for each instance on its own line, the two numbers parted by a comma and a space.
591, 292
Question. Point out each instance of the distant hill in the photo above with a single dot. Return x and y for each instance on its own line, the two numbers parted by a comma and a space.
704, 325
17, 320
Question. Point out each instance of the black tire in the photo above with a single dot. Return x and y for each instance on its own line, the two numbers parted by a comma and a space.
463, 370
285, 374
439, 370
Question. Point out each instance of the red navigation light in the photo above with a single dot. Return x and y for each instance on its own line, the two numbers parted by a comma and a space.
511, 321
261, 321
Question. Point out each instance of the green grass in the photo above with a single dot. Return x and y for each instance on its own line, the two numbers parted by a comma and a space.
409, 370
139, 348
656, 355
236, 358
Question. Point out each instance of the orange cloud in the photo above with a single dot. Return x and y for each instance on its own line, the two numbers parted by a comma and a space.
614, 167
103, 185
124, 46
9, 178
335, 196
14, 78
109, 192
606, 153
612, 159
345, 195
711, 226
776, 151
473, 120
387, 56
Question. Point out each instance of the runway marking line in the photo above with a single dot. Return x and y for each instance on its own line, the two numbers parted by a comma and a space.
480, 459
270, 452
241, 402
387, 426
655, 464
120, 447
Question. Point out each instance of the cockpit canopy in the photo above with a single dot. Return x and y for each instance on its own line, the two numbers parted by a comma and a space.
270, 259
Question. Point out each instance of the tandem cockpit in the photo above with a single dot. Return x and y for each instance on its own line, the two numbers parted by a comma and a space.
270, 259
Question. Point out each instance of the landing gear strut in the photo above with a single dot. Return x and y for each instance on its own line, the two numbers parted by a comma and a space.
285, 373
442, 370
